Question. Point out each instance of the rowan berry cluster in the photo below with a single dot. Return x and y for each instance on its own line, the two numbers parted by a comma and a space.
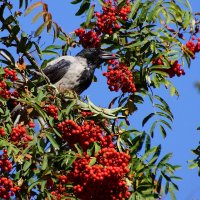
105, 22
31, 124
2, 132
7, 188
88, 39
10, 74
86, 113
5, 164
193, 47
58, 190
119, 77
4, 92
52, 110
19, 133
103, 180
175, 67
84, 135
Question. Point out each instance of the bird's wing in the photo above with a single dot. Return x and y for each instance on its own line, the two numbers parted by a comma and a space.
56, 71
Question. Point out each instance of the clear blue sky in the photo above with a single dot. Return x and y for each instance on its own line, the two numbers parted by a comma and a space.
186, 108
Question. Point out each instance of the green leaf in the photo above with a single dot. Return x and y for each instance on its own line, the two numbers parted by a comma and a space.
193, 165
76, 1
155, 156
97, 148
101, 2
49, 52
148, 153
39, 51
148, 143
52, 140
21, 3
134, 8
90, 150
172, 90
40, 96
155, 11
187, 19
137, 142
44, 162
68, 161
165, 115
151, 132
92, 161
43, 185
7, 55
32, 185
163, 132
53, 47
165, 159
172, 194
79, 149
37, 16
26, 165
69, 107
83, 8
41, 28
147, 118
89, 16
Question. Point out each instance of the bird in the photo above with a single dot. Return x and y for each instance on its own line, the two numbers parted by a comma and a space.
73, 73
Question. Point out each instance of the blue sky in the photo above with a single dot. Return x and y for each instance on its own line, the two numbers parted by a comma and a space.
184, 135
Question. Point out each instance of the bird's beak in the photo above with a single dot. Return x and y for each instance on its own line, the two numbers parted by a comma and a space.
108, 55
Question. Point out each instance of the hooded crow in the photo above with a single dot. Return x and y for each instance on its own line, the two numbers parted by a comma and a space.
76, 73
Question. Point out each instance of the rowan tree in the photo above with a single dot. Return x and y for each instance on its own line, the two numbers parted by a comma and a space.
63, 146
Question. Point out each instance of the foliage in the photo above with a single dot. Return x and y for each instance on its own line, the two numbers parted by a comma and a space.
60, 138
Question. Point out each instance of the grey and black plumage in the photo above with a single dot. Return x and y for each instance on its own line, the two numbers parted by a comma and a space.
74, 72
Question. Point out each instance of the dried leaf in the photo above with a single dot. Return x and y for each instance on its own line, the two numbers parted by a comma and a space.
33, 6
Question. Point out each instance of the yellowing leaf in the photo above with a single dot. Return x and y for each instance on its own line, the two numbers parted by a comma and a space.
33, 6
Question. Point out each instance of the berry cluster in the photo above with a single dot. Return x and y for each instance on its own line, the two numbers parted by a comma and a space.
4, 92
58, 190
52, 110
119, 77
86, 113
2, 132
106, 22
175, 67
31, 124
5, 164
18, 133
88, 39
7, 188
10, 74
193, 47
103, 180
85, 134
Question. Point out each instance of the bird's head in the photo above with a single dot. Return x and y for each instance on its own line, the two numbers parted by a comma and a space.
96, 57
